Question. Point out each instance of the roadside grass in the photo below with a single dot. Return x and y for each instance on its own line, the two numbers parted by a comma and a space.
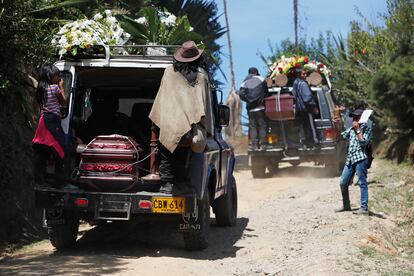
392, 194
7, 250
368, 251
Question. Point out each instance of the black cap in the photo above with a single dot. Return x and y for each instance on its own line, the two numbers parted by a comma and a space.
356, 113
253, 70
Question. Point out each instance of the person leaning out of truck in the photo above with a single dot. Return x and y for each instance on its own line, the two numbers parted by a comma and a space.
359, 137
306, 108
254, 91
49, 136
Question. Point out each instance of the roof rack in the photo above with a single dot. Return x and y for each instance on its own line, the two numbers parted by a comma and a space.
164, 52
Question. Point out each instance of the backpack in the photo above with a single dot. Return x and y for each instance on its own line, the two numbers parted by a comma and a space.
370, 156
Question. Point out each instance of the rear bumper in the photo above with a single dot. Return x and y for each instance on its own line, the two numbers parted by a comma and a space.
283, 155
128, 203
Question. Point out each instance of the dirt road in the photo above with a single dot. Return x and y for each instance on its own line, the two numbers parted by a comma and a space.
286, 226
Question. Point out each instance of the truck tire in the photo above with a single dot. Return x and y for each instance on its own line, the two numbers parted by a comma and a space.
273, 168
198, 239
64, 235
295, 163
225, 207
336, 165
258, 167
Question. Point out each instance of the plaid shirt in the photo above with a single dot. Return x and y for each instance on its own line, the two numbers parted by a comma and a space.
356, 148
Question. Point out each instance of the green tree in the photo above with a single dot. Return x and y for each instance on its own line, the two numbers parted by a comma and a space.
393, 85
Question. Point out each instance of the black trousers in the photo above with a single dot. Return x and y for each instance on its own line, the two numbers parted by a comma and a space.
257, 126
53, 124
172, 164
41, 154
308, 133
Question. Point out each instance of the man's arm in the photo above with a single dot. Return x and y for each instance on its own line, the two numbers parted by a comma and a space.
61, 95
364, 133
345, 133
243, 92
307, 94
265, 89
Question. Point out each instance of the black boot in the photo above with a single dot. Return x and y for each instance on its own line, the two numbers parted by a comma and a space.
166, 188
346, 206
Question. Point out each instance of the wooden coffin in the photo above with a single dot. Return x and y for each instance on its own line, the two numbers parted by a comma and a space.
280, 107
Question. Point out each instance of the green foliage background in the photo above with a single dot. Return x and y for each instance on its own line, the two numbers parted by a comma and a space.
374, 63
26, 29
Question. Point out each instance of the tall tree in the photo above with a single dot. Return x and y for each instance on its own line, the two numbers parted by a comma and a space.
233, 100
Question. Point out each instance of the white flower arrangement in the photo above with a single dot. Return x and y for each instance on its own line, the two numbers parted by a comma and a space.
142, 20
155, 27
104, 29
167, 18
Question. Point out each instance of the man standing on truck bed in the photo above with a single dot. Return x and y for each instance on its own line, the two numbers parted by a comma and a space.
254, 91
305, 108
180, 112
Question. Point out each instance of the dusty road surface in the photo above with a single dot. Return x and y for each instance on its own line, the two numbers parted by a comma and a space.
286, 226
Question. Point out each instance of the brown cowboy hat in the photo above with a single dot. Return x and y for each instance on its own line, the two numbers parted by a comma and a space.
188, 52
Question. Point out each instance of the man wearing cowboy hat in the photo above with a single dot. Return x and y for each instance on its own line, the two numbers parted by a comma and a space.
180, 112
359, 137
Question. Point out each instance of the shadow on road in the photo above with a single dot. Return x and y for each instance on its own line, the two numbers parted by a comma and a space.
285, 169
160, 239
106, 249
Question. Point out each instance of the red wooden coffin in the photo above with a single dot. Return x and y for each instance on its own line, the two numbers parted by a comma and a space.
280, 107
110, 162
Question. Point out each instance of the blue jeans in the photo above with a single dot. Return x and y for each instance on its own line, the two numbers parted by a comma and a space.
360, 168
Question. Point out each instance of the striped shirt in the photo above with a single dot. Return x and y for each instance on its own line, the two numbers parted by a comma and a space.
356, 148
51, 104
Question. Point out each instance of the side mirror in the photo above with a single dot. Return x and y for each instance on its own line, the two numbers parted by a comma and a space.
223, 115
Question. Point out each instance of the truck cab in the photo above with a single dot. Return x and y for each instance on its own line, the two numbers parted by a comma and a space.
113, 173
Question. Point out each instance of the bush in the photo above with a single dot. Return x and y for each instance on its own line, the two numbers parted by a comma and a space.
393, 87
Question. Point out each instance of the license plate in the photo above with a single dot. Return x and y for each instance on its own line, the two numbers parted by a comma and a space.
175, 205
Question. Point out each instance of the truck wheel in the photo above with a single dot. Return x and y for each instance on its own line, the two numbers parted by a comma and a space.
225, 207
273, 168
64, 235
258, 167
295, 163
198, 239
335, 165
334, 168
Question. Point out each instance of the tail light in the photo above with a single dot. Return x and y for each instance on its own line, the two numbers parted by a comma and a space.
272, 138
329, 134
145, 204
81, 202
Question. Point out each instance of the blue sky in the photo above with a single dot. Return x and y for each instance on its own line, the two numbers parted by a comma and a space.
254, 22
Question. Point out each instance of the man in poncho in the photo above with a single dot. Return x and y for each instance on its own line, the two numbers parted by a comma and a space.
181, 112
